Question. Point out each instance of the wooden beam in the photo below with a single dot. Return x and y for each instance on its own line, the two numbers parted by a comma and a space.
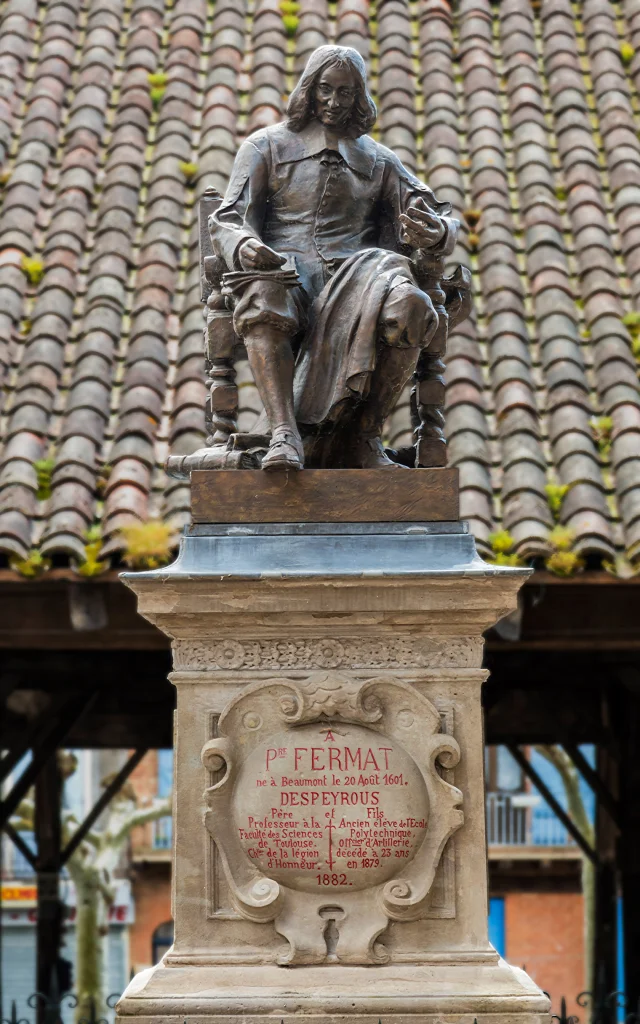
42, 613
69, 713
32, 737
627, 745
605, 951
50, 908
114, 786
19, 842
548, 796
593, 780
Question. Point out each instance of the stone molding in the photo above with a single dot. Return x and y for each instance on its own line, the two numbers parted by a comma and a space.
344, 652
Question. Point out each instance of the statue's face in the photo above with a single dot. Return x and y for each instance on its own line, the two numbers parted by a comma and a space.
335, 94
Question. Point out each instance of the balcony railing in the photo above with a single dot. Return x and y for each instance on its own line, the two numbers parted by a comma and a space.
162, 832
523, 819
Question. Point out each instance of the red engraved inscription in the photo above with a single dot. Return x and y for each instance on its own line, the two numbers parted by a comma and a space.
338, 808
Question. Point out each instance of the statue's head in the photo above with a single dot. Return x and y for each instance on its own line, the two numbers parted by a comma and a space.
333, 89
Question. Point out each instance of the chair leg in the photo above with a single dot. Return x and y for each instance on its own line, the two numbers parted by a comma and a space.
427, 398
222, 404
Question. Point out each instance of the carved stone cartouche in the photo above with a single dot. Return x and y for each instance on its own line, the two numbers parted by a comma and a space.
328, 792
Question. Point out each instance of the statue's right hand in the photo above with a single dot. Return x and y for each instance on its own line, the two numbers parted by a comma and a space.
255, 255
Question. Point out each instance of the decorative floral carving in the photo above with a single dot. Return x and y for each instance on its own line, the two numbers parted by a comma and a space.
200, 655
229, 654
329, 653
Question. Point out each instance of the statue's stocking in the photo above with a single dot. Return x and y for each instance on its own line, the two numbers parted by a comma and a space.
393, 370
271, 361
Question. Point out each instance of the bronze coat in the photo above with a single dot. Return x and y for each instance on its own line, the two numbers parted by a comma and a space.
320, 201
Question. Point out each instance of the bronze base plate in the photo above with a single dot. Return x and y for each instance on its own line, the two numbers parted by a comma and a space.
325, 496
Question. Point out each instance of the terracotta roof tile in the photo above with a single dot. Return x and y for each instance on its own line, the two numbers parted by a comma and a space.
525, 121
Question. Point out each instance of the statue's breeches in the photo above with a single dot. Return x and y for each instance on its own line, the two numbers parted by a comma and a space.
272, 303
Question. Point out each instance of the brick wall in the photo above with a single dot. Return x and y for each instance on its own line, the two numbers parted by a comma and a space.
151, 891
144, 780
544, 934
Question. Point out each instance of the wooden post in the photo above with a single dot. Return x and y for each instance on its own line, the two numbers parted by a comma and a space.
605, 951
629, 841
48, 794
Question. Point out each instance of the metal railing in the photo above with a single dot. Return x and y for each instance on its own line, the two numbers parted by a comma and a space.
162, 833
611, 1008
61, 1009
522, 819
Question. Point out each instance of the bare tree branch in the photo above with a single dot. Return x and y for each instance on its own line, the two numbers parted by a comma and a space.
570, 777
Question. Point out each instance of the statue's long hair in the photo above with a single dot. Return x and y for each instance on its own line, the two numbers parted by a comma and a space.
301, 106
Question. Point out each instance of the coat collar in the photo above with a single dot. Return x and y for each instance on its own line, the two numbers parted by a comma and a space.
290, 147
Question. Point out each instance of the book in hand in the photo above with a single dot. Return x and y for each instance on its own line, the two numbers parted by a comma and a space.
235, 280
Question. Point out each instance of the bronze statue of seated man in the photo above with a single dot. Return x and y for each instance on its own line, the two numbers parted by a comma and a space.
320, 239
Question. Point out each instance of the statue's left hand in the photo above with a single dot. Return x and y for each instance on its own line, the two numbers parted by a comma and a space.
421, 229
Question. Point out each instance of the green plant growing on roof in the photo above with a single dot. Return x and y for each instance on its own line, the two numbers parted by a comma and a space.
563, 561
5, 174
556, 494
562, 537
474, 241
32, 566
147, 545
289, 7
561, 194
632, 323
92, 566
501, 541
157, 79
502, 544
627, 53
102, 480
290, 22
189, 170
33, 269
621, 567
25, 326
44, 469
156, 95
602, 427
632, 320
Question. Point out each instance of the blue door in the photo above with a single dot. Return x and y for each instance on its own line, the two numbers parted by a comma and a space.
496, 923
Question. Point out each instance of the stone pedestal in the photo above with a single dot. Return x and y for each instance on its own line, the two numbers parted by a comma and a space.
329, 851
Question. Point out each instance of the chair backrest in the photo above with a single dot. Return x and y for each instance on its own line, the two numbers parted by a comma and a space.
210, 265
220, 341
